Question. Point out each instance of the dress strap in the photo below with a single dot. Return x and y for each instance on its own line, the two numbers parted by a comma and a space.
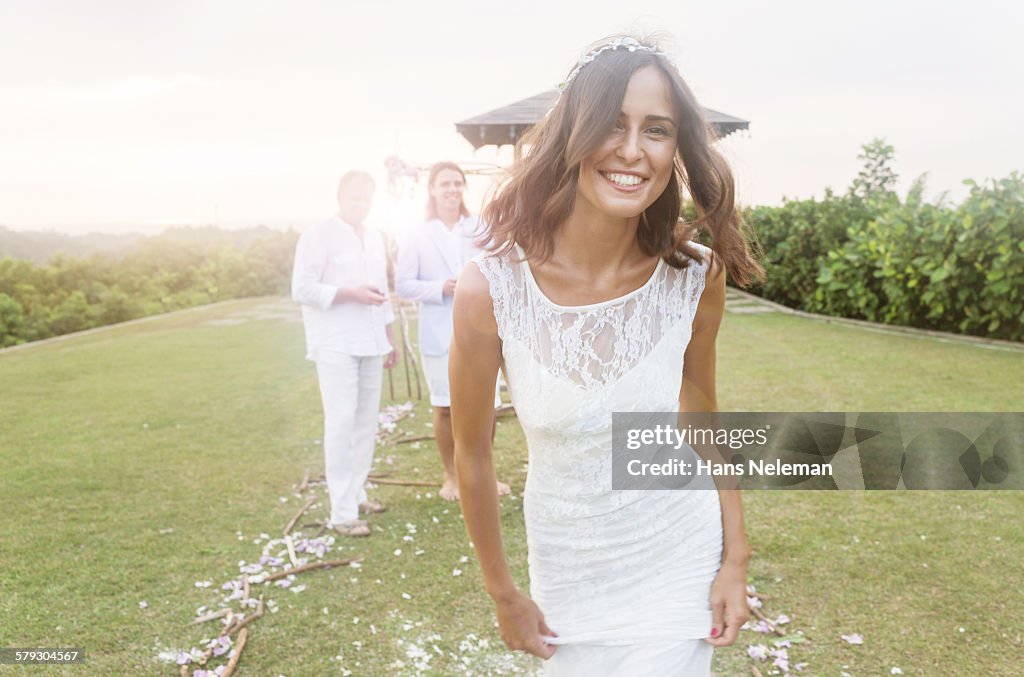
696, 280
500, 284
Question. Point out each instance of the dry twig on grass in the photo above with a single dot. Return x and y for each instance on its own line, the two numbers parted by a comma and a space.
755, 671
305, 482
233, 663
212, 616
232, 628
417, 438
291, 550
401, 482
760, 616
313, 565
300, 513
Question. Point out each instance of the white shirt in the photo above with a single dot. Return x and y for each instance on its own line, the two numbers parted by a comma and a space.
329, 256
429, 255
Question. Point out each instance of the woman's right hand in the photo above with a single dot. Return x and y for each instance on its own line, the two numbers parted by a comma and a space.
521, 625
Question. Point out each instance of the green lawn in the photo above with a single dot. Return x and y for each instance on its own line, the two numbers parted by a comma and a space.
203, 422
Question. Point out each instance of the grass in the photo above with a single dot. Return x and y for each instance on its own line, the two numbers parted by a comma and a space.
203, 421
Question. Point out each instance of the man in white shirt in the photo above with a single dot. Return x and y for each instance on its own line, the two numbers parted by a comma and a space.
340, 278
429, 261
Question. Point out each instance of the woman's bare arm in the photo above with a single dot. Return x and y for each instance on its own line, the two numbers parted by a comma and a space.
698, 394
473, 362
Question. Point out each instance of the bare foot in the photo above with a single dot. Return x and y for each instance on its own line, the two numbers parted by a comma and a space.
503, 489
449, 490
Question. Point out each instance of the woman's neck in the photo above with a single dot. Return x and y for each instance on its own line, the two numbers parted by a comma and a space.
596, 241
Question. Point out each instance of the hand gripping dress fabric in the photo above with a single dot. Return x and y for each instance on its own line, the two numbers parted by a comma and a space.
623, 577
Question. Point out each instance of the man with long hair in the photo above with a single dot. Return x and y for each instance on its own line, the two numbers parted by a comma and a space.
429, 262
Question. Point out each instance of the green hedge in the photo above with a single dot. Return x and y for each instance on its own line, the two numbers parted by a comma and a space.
870, 255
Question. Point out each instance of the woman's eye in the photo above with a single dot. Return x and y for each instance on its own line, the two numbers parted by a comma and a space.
659, 131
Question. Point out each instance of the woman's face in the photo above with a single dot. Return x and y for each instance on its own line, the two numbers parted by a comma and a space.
447, 190
631, 169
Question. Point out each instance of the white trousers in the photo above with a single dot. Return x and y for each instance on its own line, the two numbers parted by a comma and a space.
350, 389
435, 368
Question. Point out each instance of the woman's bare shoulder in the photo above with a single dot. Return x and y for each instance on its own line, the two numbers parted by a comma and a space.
473, 304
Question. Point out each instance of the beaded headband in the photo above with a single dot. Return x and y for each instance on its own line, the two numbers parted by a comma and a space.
618, 43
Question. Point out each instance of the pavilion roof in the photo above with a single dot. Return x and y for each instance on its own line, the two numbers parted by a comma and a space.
503, 126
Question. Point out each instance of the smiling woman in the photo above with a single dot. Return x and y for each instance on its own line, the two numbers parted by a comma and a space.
593, 300
664, 147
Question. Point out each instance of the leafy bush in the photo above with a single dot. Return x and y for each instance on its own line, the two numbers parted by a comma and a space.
795, 238
870, 255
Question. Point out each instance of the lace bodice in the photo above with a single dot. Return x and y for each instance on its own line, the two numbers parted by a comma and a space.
593, 345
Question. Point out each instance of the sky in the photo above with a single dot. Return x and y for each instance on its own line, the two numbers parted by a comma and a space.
132, 116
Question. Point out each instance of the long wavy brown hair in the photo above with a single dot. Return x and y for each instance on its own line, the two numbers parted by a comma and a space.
540, 192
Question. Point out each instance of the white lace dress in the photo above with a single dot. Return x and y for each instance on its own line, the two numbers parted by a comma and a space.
623, 577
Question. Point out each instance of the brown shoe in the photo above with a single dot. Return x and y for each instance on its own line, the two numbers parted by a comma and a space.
352, 528
371, 507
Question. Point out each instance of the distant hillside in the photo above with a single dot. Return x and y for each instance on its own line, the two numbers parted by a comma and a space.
40, 246
207, 236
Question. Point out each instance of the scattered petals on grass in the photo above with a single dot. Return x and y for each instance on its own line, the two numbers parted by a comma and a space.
220, 646
853, 639
758, 652
143, 604
757, 626
406, 595
456, 572
895, 671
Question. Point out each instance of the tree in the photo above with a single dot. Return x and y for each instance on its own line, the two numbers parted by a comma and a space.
876, 179
12, 321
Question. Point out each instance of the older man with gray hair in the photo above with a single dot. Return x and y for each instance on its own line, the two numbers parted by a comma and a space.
340, 278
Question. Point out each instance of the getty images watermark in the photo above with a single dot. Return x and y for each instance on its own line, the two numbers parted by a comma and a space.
814, 450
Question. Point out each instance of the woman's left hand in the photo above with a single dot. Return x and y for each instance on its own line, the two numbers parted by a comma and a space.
729, 609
